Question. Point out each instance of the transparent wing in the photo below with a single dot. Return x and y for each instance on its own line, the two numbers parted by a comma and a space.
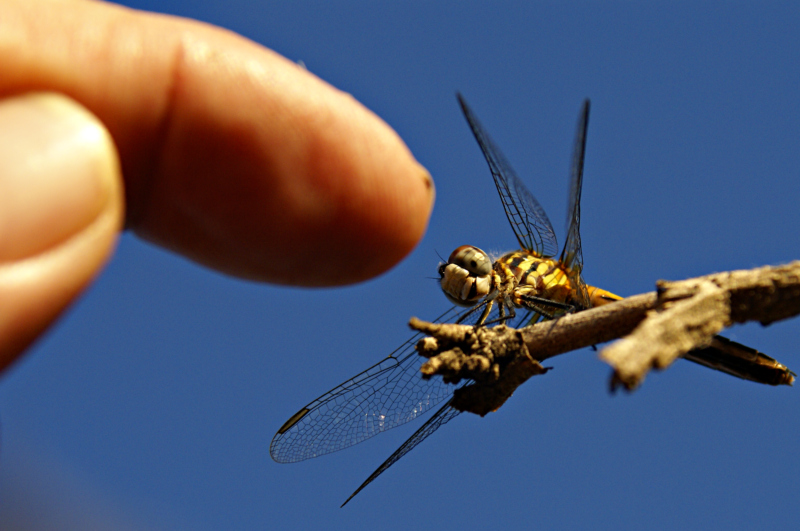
386, 395
442, 417
527, 217
572, 255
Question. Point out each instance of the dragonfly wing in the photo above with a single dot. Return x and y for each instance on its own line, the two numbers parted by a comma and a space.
442, 417
572, 255
527, 217
382, 397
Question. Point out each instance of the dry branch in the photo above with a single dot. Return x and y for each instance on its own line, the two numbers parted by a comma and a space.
680, 320
690, 313
496, 359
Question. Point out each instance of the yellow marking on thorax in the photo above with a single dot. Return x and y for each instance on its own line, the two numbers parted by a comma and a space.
546, 278
538, 276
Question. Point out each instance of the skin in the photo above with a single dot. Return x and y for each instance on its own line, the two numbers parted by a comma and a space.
197, 140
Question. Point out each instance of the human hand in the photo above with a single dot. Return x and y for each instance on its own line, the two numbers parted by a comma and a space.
195, 138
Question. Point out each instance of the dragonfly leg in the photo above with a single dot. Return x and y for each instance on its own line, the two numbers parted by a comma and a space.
503, 317
485, 307
542, 312
485, 313
536, 303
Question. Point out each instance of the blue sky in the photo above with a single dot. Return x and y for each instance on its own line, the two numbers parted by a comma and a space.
151, 404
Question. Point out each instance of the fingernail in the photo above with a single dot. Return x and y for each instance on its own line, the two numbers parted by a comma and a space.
57, 169
427, 179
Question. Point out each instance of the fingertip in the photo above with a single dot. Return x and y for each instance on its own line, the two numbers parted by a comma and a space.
61, 207
384, 197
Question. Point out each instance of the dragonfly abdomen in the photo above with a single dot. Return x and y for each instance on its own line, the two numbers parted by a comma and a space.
599, 297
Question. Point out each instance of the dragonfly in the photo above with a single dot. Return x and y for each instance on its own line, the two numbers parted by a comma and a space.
522, 287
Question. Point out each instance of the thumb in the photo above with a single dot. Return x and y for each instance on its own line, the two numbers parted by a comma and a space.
61, 208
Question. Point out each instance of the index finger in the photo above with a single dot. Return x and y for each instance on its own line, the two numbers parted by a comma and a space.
231, 154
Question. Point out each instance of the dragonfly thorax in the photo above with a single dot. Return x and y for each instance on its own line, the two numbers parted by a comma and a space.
466, 278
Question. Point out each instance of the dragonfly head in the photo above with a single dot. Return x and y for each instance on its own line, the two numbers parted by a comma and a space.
467, 276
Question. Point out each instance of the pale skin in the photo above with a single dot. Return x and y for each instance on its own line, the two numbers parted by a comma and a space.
196, 139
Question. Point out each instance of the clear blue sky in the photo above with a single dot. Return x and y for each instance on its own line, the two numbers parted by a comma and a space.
152, 403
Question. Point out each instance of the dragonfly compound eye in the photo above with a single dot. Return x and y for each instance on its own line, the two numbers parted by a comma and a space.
466, 277
472, 259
